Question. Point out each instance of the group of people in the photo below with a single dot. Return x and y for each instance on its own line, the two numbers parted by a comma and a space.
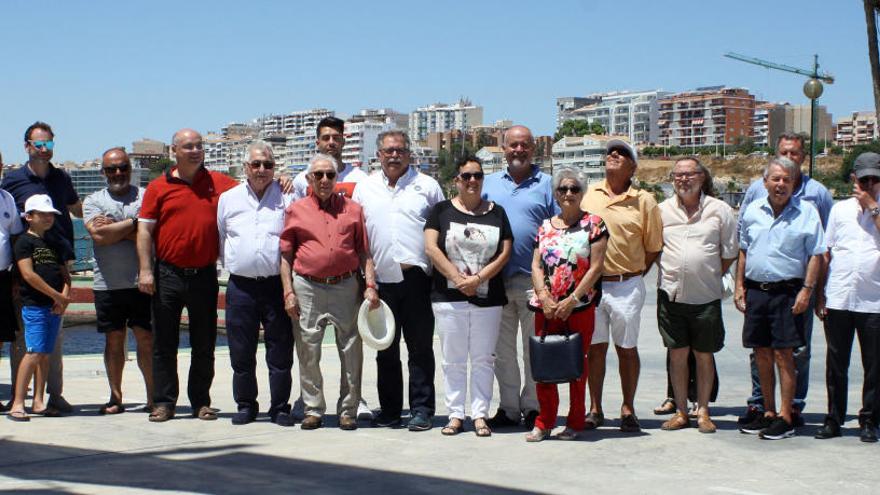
513, 254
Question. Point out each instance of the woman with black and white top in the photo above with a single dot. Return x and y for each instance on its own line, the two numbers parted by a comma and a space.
468, 240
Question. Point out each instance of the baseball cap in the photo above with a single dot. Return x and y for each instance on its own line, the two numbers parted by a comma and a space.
620, 143
867, 164
40, 202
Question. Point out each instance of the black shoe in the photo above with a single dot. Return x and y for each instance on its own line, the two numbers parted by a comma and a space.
629, 423
778, 429
757, 424
797, 420
529, 419
244, 417
284, 419
868, 432
382, 421
501, 420
752, 413
419, 422
829, 430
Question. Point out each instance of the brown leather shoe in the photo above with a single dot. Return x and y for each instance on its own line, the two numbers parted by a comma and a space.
676, 422
346, 423
161, 414
313, 423
705, 424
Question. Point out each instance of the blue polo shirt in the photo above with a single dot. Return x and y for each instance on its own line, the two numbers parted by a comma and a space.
810, 190
22, 184
527, 205
778, 248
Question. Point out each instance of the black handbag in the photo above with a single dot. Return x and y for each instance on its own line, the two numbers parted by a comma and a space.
556, 358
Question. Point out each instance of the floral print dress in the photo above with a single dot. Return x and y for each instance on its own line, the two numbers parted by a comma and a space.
565, 256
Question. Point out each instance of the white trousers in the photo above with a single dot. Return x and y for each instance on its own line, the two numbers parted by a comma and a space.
467, 330
516, 389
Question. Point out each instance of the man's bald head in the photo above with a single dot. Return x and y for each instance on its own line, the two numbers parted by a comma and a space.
518, 147
181, 134
188, 148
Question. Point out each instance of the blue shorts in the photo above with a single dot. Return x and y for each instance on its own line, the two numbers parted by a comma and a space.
41, 328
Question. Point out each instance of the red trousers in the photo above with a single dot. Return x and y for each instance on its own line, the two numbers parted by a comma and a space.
548, 395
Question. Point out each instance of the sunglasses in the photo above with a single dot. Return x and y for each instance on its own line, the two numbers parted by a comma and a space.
117, 168
467, 176
266, 164
318, 175
43, 144
621, 151
569, 189
870, 179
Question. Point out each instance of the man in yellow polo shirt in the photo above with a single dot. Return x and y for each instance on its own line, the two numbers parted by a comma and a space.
633, 220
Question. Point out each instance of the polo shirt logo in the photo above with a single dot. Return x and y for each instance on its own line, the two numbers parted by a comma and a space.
418, 188
6, 214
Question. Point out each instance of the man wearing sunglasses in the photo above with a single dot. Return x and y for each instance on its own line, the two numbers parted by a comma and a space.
111, 219
178, 220
807, 189
325, 242
633, 220
850, 301
39, 176
330, 141
249, 219
526, 194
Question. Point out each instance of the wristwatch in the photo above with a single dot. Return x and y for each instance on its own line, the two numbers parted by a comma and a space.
875, 211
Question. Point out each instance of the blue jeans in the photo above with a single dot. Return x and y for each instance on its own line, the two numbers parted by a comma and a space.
801, 369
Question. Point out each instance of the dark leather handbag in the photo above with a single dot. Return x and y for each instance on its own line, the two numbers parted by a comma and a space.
556, 358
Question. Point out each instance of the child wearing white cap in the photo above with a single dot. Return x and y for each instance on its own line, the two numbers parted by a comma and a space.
44, 296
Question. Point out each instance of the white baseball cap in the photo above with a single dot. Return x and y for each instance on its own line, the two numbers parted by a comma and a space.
40, 202
376, 326
620, 143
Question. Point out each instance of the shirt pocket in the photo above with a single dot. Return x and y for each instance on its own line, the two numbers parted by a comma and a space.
345, 235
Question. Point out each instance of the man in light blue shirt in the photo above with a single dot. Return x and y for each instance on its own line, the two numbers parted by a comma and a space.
806, 189
781, 241
526, 194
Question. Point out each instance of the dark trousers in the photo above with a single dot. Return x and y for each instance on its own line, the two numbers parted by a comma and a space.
692, 379
196, 290
410, 302
250, 303
839, 329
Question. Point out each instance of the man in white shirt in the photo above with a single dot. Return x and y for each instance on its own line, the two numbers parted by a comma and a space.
10, 225
850, 302
396, 203
330, 141
250, 217
699, 245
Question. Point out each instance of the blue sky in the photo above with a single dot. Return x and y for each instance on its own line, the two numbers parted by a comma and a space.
108, 73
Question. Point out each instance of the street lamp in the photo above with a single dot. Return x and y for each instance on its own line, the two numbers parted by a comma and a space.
813, 90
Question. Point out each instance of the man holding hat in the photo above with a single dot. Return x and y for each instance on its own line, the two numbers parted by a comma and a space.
850, 301
324, 241
633, 220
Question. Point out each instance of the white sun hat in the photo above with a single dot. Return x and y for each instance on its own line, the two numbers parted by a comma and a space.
40, 202
377, 326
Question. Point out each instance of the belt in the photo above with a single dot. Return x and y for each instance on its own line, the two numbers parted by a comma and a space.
621, 277
254, 279
791, 284
328, 280
189, 272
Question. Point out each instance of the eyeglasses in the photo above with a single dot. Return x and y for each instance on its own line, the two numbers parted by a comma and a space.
391, 151
684, 175
319, 175
43, 144
115, 169
467, 176
568, 189
266, 164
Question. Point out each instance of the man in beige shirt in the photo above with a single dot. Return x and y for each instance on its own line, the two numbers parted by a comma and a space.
699, 245
633, 220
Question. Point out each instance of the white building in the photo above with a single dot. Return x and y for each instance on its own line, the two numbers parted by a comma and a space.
492, 158
586, 153
632, 114
360, 142
441, 117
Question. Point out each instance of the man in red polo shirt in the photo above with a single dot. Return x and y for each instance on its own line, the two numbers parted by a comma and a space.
178, 218
324, 241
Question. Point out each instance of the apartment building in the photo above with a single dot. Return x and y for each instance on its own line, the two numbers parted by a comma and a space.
394, 119
360, 141
708, 116
796, 118
492, 158
632, 114
585, 152
441, 117
761, 123
860, 128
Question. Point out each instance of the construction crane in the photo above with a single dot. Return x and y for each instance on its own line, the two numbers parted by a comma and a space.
812, 88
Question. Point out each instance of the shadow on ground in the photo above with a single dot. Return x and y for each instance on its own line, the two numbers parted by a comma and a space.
226, 469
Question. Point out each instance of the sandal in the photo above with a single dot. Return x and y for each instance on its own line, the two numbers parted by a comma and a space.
537, 435
19, 416
161, 414
567, 434
629, 423
206, 413
112, 408
454, 427
594, 420
665, 407
47, 412
481, 428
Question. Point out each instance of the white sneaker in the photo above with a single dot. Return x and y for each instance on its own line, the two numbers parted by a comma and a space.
364, 412
298, 412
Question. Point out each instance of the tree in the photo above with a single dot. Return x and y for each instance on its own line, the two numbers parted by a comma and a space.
872, 7
159, 167
578, 128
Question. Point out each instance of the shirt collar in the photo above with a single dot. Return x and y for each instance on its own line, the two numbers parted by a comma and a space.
533, 174
793, 203
332, 205
701, 205
403, 179
631, 191
199, 174
270, 191
30, 173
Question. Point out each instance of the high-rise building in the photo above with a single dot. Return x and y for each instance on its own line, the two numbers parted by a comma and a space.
860, 128
708, 116
632, 114
796, 118
441, 117
761, 123
360, 141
